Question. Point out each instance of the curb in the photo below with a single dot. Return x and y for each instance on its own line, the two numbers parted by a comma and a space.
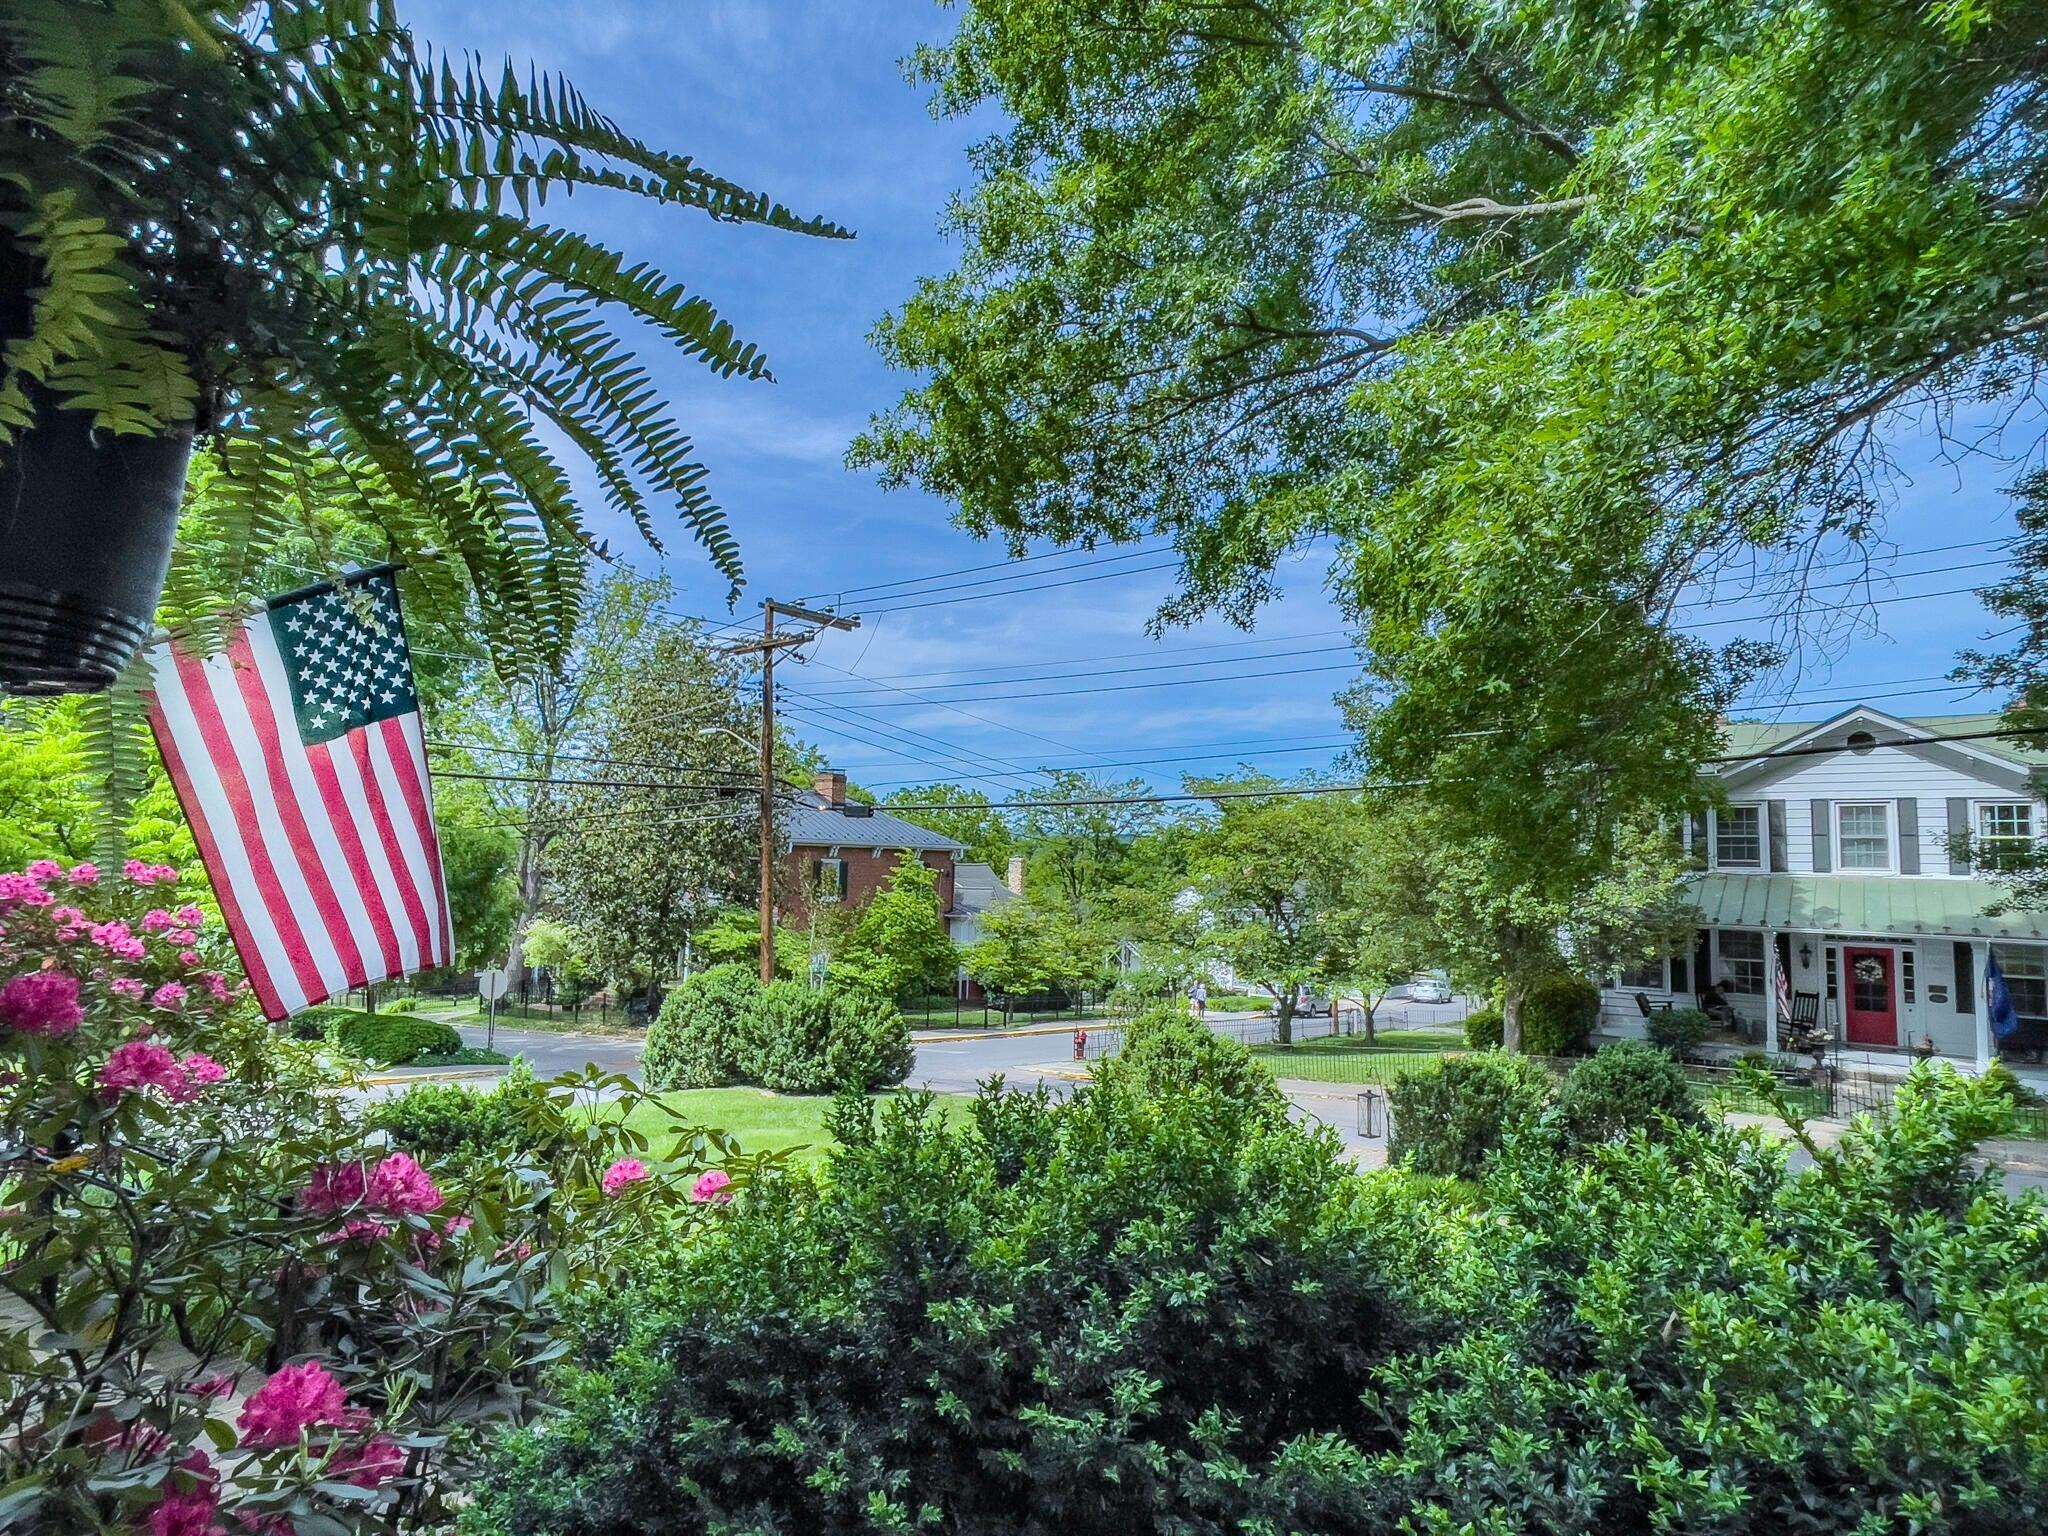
432, 1075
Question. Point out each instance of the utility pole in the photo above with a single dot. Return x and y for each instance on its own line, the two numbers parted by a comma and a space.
770, 643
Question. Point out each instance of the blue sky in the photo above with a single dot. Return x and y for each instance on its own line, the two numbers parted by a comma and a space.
806, 99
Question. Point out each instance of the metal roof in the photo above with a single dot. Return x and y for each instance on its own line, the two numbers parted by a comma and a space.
1879, 905
1763, 736
814, 825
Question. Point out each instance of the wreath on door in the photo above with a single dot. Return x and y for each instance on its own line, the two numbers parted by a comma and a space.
1870, 971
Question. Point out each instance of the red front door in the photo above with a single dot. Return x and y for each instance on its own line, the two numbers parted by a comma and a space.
1869, 1005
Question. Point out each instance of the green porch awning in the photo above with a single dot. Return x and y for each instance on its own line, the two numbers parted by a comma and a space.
1877, 905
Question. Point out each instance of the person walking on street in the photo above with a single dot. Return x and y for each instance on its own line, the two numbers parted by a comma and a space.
1198, 995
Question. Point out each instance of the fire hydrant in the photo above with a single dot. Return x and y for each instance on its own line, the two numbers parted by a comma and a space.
1080, 1044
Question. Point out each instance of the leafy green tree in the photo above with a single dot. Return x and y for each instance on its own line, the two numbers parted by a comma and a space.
1548, 315
1039, 946
986, 833
1268, 871
900, 947
479, 857
1379, 928
647, 854
1078, 839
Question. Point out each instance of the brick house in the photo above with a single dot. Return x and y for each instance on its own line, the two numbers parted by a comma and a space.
857, 847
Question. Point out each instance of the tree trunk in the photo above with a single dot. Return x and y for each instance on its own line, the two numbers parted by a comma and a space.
1366, 1005
1511, 1020
1283, 1017
529, 909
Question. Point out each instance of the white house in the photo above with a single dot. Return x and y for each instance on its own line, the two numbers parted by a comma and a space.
1839, 857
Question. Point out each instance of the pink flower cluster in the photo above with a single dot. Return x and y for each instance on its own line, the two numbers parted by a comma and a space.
144, 1064
714, 1188
397, 1186
41, 1003
149, 874
23, 891
298, 1399
625, 1172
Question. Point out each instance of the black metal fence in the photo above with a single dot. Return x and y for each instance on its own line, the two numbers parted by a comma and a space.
1003, 1013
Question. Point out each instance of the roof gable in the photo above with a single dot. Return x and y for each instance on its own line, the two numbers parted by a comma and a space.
1779, 747
814, 824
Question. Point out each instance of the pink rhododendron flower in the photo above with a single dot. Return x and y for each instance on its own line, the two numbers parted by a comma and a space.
187, 1514
170, 995
713, 1188
202, 1071
67, 917
219, 1385
401, 1185
335, 1187
190, 916
117, 939
156, 920
296, 1399
144, 1064
85, 874
21, 891
217, 986
128, 986
626, 1171
45, 869
181, 938
41, 1003
188, 957
372, 1465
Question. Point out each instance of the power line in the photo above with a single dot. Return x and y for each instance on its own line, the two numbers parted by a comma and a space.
445, 744
1044, 586
993, 565
905, 748
1004, 580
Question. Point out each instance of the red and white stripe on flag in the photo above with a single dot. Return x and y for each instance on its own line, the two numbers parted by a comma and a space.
298, 756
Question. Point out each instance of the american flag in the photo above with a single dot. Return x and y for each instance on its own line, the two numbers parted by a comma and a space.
298, 756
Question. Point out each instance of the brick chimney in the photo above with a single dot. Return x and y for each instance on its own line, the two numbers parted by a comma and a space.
1015, 879
830, 785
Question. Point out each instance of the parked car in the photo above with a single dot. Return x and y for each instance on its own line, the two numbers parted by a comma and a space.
1310, 1005
1430, 987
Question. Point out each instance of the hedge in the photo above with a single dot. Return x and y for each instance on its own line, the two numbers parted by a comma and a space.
722, 1027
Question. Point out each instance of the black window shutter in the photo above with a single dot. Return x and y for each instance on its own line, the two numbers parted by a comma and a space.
1779, 861
1909, 836
1966, 978
1958, 835
1699, 839
1823, 859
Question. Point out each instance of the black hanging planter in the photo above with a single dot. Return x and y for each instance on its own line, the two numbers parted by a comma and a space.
86, 523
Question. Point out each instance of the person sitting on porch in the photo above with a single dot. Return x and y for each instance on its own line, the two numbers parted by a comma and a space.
1715, 1005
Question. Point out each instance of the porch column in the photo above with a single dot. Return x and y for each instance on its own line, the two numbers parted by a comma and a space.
1980, 965
1771, 991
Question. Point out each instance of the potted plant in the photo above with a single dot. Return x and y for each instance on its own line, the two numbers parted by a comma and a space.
284, 231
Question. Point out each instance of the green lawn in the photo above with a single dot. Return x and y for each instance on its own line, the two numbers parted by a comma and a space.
761, 1121
1354, 1059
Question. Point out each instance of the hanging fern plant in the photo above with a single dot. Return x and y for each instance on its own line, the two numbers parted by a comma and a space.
284, 230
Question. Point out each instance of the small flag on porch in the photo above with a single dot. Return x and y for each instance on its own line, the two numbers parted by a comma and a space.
1784, 988
2004, 1017
298, 756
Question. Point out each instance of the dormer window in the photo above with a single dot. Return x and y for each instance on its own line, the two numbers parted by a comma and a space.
1738, 837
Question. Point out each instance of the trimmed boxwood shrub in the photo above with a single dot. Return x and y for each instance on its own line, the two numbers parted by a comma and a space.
445, 1124
704, 1030
1483, 1028
1166, 1052
1450, 1116
1625, 1088
1558, 1016
723, 1027
1679, 1029
1085, 1316
394, 1039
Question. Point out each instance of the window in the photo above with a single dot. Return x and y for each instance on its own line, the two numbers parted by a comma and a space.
1906, 978
1859, 742
1834, 987
1966, 978
2005, 833
2026, 977
1865, 835
1643, 977
1742, 962
1739, 837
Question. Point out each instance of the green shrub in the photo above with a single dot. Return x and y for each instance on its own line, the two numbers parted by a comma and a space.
1678, 1029
704, 1031
1034, 1323
445, 1123
402, 1005
320, 1022
394, 1040
825, 1040
1625, 1088
723, 1027
1166, 1052
1483, 1028
1450, 1116
1558, 1015
1126, 1315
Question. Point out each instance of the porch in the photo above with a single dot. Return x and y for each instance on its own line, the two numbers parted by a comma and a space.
1894, 967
